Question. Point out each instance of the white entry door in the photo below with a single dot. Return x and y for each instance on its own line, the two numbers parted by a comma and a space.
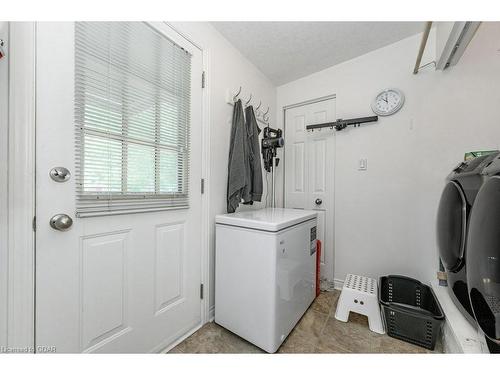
4, 192
126, 282
309, 170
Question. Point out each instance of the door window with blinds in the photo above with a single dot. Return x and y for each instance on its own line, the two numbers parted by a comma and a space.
132, 116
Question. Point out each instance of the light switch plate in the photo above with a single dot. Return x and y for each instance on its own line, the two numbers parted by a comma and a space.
362, 166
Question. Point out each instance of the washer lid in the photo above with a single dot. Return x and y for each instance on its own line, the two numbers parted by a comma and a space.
267, 219
483, 258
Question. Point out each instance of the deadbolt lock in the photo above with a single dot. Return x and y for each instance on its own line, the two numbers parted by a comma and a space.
60, 174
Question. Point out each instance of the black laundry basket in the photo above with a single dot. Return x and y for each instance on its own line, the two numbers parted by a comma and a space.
411, 310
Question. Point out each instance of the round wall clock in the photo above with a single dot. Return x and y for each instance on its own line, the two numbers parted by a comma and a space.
388, 102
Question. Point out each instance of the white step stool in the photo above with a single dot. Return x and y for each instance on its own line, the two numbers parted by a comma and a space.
359, 295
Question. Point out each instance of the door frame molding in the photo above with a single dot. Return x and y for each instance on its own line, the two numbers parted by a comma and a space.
21, 187
309, 101
206, 314
21, 173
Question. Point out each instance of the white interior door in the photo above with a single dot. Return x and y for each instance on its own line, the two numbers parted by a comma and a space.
118, 283
309, 174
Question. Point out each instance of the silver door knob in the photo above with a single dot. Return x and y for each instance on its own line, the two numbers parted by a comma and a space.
318, 201
61, 222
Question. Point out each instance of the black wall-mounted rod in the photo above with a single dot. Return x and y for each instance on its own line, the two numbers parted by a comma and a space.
342, 124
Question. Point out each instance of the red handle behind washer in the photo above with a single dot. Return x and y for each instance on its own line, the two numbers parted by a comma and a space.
318, 262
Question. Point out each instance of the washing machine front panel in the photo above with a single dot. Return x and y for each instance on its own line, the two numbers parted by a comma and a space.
483, 263
452, 226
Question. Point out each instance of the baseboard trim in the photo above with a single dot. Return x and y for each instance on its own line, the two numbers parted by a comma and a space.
338, 283
162, 349
211, 314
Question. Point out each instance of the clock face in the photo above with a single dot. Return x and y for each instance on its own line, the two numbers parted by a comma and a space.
388, 102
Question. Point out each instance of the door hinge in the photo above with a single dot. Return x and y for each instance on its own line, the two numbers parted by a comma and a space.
203, 80
201, 291
33, 224
202, 186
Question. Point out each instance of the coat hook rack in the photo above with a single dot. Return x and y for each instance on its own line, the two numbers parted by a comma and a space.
265, 116
237, 94
342, 124
232, 97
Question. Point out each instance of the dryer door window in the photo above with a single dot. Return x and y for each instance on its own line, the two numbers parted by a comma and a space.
483, 258
452, 226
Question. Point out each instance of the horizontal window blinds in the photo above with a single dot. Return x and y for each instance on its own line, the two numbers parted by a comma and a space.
132, 117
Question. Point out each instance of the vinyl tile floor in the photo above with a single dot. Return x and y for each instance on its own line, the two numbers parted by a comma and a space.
317, 332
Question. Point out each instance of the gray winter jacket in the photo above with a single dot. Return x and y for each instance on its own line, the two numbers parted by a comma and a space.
238, 159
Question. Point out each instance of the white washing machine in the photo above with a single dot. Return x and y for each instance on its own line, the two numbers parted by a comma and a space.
265, 272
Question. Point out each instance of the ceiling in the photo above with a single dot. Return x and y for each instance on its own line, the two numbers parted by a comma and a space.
285, 51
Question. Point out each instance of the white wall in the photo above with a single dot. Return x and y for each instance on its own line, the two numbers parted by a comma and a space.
385, 216
227, 69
